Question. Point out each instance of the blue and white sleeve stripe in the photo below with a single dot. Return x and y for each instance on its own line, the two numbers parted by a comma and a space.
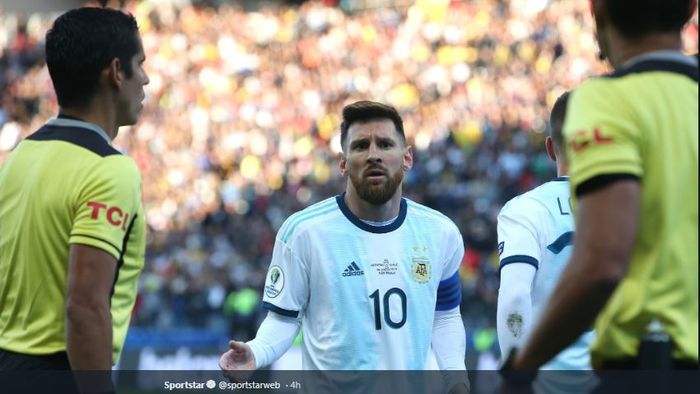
449, 294
281, 311
519, 258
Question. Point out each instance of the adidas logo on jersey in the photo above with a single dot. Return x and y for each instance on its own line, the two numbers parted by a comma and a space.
353, 270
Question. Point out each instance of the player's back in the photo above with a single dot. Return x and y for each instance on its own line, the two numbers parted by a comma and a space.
548, 210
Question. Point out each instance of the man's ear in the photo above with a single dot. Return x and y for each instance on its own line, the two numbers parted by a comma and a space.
115, 73
342, 164
549, 147
408, 158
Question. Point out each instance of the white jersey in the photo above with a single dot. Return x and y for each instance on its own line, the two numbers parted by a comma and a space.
537, 228
366, 295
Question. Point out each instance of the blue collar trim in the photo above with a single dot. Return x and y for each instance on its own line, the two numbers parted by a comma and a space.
340, 199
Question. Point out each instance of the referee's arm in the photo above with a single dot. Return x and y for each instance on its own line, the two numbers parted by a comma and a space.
606, 227
88, 320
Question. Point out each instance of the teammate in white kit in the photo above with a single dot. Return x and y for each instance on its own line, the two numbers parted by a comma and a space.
535, 234
369, 276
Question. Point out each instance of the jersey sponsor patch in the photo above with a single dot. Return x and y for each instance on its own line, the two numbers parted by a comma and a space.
275, 283
114, 215
582, 139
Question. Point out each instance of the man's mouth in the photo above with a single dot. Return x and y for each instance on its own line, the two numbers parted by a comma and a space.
375, 174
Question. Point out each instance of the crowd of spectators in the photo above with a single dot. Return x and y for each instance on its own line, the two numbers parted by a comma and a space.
240, 125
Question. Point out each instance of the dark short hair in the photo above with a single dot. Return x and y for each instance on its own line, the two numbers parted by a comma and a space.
634, 18
556, 121
81, 43
365, 111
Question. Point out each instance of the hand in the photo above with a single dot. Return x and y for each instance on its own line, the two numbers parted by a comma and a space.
238, 363
459, 388
515, 380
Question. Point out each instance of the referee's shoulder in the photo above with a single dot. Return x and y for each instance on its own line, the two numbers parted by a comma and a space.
119, 164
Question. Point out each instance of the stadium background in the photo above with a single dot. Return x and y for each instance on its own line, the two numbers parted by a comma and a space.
240, 129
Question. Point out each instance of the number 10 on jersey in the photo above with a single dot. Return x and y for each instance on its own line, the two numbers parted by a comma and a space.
394, 291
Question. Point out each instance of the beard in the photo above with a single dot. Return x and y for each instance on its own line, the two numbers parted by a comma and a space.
377, 194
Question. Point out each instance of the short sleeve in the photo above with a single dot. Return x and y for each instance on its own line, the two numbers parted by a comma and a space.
449, 294
286, 290
108, 201
518, 240
455, 253
601, 136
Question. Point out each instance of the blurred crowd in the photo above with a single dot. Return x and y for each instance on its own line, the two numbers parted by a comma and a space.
241, 127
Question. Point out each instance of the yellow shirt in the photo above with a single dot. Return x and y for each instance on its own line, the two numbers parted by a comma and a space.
642, 122
64, 184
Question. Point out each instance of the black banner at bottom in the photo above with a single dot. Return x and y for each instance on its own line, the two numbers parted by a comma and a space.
360, 382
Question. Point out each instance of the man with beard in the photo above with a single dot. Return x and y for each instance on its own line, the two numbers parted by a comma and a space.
369, 276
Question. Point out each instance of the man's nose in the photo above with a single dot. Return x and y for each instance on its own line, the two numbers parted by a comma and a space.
373, 154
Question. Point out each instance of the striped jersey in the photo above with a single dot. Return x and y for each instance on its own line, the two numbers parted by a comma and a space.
366, 295
537, 228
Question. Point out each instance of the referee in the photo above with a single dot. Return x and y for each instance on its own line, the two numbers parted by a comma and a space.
632, 146
72, 231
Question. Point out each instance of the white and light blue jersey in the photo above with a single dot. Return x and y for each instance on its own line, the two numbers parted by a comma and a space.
366, 294
537, 228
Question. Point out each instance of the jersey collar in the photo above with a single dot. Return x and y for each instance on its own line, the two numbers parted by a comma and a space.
665, 55
340, 199
72, 122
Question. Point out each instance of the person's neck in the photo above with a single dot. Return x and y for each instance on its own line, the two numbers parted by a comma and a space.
106, 120
623, 49
562, 169
367, 211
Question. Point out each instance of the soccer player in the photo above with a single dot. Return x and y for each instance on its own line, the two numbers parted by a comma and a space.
72, 231
371, 277
535, 231
632, 147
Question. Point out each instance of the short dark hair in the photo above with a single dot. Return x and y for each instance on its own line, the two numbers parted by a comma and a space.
634, 18
556, 121
365, 111
81, 43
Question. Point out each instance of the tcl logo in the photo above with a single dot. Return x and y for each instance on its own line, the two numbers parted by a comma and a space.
584, 138
115, 216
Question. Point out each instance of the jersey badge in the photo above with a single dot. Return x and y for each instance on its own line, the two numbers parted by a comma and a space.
421, 269
275, 282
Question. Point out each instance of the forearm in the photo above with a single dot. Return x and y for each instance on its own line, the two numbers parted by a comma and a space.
514, 313
576, 301
89, 337
449, 340
275, 336
449, 344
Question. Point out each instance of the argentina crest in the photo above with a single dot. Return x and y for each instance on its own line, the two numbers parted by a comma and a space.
421, 269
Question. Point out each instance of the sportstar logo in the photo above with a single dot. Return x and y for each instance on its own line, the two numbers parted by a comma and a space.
353, 270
